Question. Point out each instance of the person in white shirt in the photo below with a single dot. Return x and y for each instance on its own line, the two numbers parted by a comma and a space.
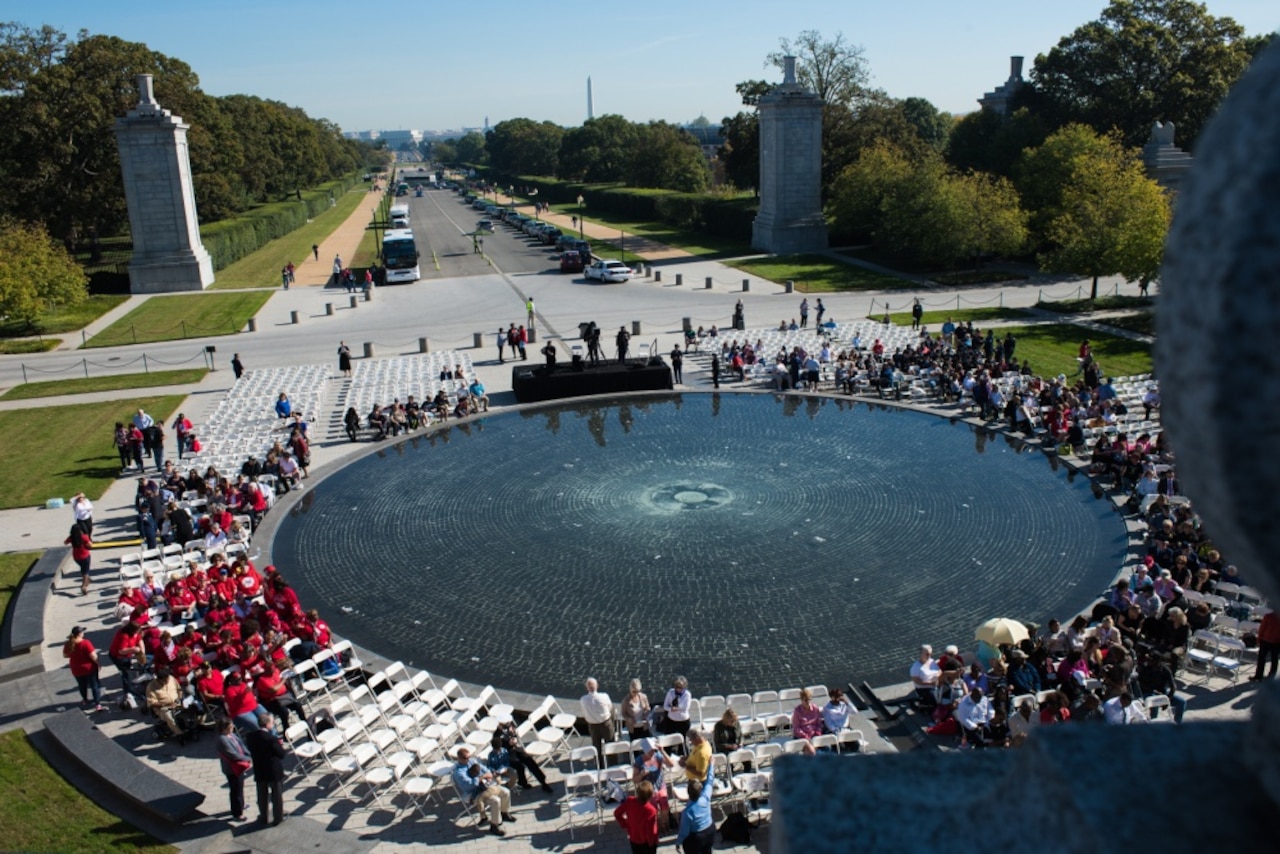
973, 714
142, 420
597, 708
924, 675
676, 705
1121, 710
216, 538
82, 508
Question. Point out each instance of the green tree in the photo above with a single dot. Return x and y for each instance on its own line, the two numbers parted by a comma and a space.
987, 142
1099, 213
470, 149
36, 274
598, 151
932, 125
666, 157
524, 147
860, 193
993, 221
1141, 62
740, 154
834, 69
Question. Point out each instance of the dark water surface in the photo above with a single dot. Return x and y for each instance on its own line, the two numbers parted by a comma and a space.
745, 541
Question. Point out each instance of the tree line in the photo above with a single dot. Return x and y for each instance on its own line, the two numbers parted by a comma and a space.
608, 149
59, 164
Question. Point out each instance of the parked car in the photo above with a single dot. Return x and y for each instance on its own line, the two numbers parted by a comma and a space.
582, 247
608, 271
570, 262
565, 241
550, 234
485, 225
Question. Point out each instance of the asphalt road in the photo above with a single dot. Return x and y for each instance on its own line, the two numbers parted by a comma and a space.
442, 223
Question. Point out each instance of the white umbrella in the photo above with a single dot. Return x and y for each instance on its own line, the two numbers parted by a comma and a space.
1001, 630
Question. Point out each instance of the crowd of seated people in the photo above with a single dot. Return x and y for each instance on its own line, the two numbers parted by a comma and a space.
225, 636
1128, 649
398, 417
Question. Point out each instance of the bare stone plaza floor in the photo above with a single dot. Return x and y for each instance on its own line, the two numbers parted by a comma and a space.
448, 312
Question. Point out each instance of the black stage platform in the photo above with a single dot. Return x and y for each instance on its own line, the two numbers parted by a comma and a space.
534, 383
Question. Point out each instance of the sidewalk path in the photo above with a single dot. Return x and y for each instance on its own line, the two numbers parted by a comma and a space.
342, 242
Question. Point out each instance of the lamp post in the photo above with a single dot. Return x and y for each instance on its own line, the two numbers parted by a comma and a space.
581, 235
623, 240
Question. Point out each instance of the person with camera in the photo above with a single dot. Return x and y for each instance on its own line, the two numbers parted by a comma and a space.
549, 352
505, 737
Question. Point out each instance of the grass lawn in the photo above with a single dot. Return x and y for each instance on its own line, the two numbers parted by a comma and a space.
1052, 349
43, 812
693, 242
43, 461
167, 318
1083, 306
66, 319
935, 319
261, 269
16, 346
13, 565
81, 385
1143, 322
818, 274
366, 251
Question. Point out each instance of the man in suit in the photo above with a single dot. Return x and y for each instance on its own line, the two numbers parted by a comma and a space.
268, 767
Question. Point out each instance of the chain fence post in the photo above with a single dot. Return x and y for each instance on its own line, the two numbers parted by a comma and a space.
184, 328
84, 363
24, 374
133, 330
145, 369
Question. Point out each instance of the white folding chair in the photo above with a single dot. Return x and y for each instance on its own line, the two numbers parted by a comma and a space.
580, 800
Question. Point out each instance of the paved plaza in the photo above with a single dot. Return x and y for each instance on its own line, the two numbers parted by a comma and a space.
448, 312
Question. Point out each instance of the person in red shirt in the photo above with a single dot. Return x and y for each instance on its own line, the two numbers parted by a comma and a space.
191, 638
314, 634
81, 553
285, 601
251, 660
185, 664
1268, 646
639, 818
209, 684
225, 584
248, 579
133, 598
274, 694
242, 705
166, 651
181, 601
126, 652
83, 660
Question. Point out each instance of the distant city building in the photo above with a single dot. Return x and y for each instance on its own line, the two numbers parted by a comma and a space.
708, 137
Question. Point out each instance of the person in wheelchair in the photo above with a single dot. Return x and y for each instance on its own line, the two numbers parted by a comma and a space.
164, 698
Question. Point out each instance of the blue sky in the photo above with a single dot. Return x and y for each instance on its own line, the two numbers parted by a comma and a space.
435, 65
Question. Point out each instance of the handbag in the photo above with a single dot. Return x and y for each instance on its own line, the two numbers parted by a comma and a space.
240, 767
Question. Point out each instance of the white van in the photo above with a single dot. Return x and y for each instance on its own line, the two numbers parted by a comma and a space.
399, 216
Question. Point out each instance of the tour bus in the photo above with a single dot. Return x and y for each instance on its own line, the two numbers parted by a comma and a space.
400, 256
399, 216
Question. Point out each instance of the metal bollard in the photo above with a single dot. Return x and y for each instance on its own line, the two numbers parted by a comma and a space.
657, 275
686, 323
368, 349
635, 327
424, 346
253, 324
533, 335
791, 286
708, 285
353, 301
368, 295
746, 285
477, 340
293, 317
328, 309
679, 278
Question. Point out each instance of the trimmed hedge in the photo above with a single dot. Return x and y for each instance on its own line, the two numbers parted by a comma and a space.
729, 218
229, 240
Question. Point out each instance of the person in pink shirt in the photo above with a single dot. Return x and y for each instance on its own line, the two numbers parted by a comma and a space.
806, 720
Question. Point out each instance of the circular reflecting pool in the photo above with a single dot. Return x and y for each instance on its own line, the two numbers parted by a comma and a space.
745, 541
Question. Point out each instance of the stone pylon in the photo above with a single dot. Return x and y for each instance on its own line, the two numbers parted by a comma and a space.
167, 252
790, 217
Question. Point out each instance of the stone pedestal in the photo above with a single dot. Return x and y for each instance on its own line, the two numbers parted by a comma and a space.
1165, 163
790, 217
167, 252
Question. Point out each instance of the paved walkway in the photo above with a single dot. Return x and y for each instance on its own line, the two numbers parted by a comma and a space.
316, 271
649, 249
